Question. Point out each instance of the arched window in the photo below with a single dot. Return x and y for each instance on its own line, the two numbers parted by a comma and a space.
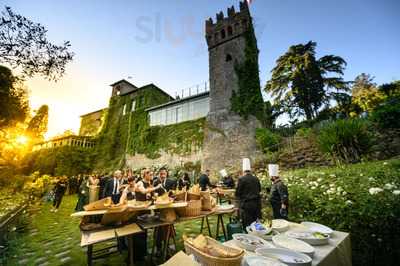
244, 23
209, 37
228, 58
230, 31
223, 34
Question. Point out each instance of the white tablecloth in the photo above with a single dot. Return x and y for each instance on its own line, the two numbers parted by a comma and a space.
336, 253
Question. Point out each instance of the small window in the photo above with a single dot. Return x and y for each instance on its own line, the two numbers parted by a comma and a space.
244, 22
133, 105
216, 36
124, 110
230, 31
223, 34
228, 58
209, 37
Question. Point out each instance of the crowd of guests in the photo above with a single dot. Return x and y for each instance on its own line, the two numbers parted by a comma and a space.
128, 185
147, 185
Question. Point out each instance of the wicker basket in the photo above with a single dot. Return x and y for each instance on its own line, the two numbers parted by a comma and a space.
207, 201
180, 196
98, 205
208, 260
192, 196
193, 209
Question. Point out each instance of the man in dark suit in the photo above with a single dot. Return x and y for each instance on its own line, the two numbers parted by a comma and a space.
167, 183
112, 187
204, 181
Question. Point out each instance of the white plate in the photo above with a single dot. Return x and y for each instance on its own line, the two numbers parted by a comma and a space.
265, 237
262, 261
284, 241
280, 225
289, 257
308, 237
243, 241
315, 227
261, 232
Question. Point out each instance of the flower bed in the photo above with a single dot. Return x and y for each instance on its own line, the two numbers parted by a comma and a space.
363, 199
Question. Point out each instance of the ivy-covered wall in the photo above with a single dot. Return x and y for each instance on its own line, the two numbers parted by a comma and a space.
248, 99
131, 133
66, 160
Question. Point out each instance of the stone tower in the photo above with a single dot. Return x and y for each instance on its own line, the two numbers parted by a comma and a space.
228, 136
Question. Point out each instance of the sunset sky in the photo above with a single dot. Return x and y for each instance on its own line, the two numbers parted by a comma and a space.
162, 42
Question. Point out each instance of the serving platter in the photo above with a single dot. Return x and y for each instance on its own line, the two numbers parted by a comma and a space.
250, 242
262, 261
312, 238
289, 257
293, 244
263, 236
316, 227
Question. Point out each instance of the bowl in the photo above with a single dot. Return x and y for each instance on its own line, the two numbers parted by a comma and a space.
280, 225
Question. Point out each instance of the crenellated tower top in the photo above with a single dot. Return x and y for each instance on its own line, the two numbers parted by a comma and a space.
230, 27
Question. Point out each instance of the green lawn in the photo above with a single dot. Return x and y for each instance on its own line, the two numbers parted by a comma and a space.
54, 239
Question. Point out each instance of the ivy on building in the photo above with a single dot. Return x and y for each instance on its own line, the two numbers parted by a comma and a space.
65, 160
248, 99
131, 133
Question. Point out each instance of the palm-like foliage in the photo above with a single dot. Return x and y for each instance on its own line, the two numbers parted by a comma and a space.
301, 83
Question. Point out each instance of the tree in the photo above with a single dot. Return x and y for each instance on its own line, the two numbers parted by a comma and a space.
365, 93
300, 82
37, 127
24, 44
391, 89
14, 105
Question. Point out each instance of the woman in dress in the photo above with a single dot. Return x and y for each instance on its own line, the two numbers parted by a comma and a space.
93, 188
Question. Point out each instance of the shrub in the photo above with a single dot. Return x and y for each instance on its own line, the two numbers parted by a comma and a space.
345, 139
363, 199
267, 140
387, 114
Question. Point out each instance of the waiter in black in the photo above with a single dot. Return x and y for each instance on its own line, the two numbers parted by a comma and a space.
204, 181
279, 195
248, 192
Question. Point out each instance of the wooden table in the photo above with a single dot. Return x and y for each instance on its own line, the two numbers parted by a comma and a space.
220, 221
89, 238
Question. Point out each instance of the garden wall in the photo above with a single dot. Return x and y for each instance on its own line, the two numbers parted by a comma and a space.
300, 152
165, 158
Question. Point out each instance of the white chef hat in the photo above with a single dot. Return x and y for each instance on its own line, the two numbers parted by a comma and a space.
223, 173
273, 170
246, 164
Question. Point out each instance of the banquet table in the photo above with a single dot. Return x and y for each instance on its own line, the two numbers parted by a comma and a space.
337, 252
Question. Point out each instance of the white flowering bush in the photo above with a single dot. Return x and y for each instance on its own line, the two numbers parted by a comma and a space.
363, 199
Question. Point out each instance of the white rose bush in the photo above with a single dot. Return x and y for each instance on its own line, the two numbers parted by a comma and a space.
363, 199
